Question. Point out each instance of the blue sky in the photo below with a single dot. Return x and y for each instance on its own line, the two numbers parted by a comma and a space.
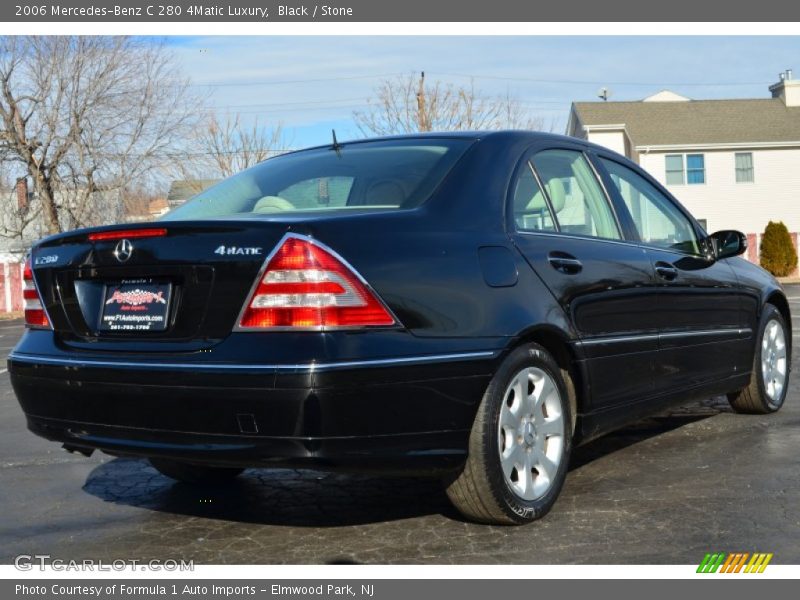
314, 83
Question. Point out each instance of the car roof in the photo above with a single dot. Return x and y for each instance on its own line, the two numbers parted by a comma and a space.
512, 135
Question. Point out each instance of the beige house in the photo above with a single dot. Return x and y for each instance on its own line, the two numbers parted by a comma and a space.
735, 164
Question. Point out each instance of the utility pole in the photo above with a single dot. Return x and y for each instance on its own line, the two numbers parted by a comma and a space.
422, 116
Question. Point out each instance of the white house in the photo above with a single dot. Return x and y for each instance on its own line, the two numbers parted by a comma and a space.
735, 164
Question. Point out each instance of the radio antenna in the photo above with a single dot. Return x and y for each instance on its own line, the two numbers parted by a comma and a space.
337, 147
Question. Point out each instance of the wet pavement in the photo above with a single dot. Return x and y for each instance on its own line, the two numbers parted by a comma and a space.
665, 490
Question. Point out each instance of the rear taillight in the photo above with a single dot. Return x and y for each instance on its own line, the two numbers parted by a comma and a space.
35, 316
305, 285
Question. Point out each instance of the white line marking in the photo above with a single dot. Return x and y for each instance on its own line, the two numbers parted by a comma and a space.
3, 371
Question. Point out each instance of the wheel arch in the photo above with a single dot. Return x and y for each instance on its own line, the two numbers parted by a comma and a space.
779, 301
557, 343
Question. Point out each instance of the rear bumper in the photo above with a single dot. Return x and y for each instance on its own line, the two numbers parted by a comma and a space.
404, 414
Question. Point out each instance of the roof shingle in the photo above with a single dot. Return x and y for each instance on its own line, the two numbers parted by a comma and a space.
697, 121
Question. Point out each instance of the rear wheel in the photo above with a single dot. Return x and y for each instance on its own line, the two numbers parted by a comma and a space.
195, 474
520, 443
770, 378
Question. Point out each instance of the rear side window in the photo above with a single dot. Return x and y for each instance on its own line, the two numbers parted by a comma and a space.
364, 176
575, 195
531, 211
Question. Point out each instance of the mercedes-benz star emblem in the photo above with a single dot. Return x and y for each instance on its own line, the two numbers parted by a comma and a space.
123, 250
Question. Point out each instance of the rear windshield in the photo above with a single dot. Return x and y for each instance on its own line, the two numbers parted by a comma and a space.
381, 175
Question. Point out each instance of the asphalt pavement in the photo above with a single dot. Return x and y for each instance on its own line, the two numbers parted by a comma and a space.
663, 491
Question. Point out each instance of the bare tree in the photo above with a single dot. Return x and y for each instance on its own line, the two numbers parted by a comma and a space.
84, 116
19, 212
227, 145
408, 104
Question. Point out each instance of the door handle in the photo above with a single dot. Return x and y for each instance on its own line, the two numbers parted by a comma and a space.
565, 263
666, 271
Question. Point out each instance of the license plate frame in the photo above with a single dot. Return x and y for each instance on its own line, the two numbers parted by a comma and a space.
135, 306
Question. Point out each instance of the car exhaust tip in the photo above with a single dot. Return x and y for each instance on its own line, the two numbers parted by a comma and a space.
87, 452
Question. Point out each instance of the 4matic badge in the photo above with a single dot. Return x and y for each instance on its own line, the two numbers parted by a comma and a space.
237, 251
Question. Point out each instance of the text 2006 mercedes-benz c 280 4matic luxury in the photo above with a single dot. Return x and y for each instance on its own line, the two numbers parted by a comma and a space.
464, 305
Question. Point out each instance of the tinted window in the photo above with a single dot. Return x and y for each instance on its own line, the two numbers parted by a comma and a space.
575, 195
657, 219
329, 192
365, 176
531, 212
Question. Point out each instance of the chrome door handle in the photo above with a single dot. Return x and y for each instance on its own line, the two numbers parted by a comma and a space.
565, 263
666, 271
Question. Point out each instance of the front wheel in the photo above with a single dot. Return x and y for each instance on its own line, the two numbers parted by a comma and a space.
520, 443
770, 378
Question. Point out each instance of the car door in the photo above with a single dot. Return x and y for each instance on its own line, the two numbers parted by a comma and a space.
701, 336
569, 233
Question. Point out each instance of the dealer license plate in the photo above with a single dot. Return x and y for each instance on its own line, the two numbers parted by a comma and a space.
136, 305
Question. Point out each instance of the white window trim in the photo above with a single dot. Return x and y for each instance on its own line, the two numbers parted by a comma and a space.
752, 168
685, 168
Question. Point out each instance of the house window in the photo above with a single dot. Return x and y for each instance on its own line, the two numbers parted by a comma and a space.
675, 169
744, 167
694, 173
695, 168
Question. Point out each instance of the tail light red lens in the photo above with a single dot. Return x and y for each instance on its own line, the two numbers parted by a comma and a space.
306, 286
35, 316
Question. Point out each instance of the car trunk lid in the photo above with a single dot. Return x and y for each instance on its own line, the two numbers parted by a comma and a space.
112, 288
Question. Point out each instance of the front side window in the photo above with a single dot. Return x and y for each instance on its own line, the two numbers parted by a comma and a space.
657, 219
364, 176
579, 204
744, 167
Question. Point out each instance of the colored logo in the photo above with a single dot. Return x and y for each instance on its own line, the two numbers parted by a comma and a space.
737, 562
136, 297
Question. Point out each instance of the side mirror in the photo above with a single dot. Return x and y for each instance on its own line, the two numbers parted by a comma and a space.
727, 243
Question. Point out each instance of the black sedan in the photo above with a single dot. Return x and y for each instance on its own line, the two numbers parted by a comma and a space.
464, 305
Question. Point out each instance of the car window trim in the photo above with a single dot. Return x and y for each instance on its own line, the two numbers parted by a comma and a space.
509, 216
695, 227
545, 195
578, 236
699, 231
582, 151
627, 223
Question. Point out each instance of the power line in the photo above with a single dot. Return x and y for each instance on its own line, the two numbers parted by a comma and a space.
598, 82
330, 101
291, 81
483, 76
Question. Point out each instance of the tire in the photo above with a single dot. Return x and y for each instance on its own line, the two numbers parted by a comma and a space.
769, 381
194, 474
531, 430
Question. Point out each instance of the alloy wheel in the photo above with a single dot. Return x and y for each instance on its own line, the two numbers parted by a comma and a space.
531, 433
773, 360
